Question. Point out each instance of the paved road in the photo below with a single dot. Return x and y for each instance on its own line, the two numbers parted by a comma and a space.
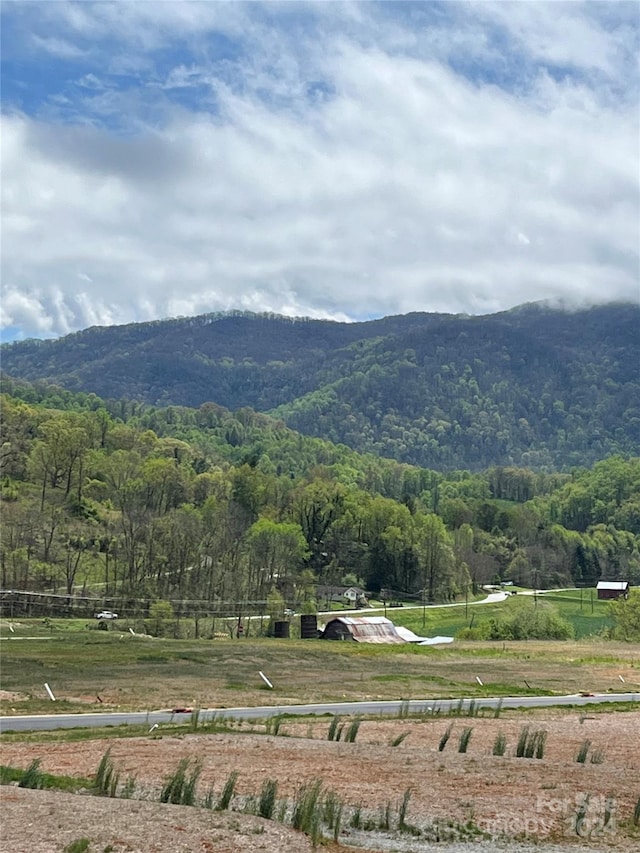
45, 722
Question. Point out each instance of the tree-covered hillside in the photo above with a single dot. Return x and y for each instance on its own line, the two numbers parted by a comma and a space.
234, 512
534, 387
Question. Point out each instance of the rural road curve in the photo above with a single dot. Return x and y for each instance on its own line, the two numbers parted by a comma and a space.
47, 722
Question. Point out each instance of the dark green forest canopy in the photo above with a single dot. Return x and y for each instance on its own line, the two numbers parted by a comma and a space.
210, 505
532, 387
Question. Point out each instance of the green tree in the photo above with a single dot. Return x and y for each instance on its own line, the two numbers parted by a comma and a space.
626, 614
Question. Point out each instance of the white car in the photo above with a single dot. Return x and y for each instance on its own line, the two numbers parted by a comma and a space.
106, 614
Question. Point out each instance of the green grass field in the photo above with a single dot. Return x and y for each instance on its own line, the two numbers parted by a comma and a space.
587, 616
91, 670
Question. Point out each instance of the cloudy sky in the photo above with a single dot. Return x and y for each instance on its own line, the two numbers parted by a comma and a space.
326, 159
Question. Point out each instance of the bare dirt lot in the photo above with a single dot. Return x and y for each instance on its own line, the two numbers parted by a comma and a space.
452, 795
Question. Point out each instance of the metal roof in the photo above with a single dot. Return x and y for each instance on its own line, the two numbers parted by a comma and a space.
370, 629
617, 585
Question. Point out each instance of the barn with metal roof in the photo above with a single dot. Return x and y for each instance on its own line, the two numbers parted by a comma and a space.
362, 629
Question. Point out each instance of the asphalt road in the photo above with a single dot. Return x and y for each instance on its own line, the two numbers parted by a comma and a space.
48, 722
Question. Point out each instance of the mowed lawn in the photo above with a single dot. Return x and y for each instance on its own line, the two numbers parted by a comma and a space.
91, 670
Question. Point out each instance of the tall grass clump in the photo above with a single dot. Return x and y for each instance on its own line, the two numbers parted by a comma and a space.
128, 788
273, 724
180, 788
267, 801
597, 756
227, 792
385, 817
402, 811
445, 737
465, 737
356, 818
332, 808
106, 780
32, 777
352, 732
307, 808
333, 728
636, 814
522, 741
531, 744
539, 744
191, 783
499, 744
497, 710
194, 720
583, 751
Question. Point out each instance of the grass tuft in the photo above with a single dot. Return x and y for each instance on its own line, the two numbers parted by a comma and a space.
267, 801
33, 777
402, 811
445, 737
106, 779
352, 731
180, 788
396, 741
307, 808
499, 744
333, 728
227, 792
583, 751
465, 737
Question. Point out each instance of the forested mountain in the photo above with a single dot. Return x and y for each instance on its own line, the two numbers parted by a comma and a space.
225, 512
534, 387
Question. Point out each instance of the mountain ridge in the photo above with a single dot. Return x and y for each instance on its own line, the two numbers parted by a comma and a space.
533, 386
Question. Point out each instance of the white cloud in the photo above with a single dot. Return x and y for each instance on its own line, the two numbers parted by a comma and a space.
409, 186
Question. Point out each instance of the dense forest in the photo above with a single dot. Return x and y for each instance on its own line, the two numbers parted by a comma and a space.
233, 511
532, 388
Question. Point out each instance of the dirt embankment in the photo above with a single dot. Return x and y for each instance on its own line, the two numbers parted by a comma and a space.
553, 799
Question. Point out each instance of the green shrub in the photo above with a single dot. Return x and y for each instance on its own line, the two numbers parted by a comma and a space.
530, 622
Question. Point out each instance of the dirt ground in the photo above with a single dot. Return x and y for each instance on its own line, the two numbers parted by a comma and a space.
553, 800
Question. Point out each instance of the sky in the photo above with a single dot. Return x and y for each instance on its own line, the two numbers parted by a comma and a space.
325, 159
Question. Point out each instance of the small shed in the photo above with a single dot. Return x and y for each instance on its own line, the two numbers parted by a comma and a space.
613, 589
362, 629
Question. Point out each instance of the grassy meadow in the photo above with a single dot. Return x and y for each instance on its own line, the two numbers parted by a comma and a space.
580, 608
91, 670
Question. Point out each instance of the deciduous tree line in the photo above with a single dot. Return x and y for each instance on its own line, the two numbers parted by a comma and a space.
207, 506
